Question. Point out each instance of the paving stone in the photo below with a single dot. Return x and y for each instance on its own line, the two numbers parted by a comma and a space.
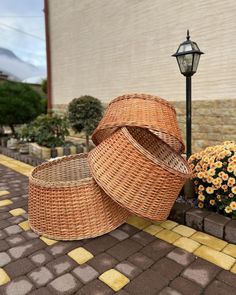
124, 249
128, 269
61, 248
65, 284
153, 229
129, 229
101, 244
119, 234
3, 245
168, 236
2, 234
4, 259
168, 224
149, 282
61, 265
138, 222
4, 277
4, 215
25, 225
157, 249
141, 260
230, 231
103, 262
17, 212
214, 224
13, 229
40, 258
219, 288
80, 255
169, 291
201, 272
187, 244
85, 273
4, 224
26, 249
184, 230
5, 202
222, 260
181, 256
15, 240
143, 238
195, 218
114, 279
15, 219
41, 276
19, 267
209, 241
18, 286
122, 292
227, 278
95, 287
167, 268
186, 287
29, 235
41, 291
230, 249
47, 241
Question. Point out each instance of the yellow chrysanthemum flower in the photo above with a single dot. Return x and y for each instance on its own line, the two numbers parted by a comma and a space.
201, 187
218, 164
200, 205
233, 205
212, 202
228, 209
230, 168
200, 175
225, 176
218, 197
210, 190
224, 187
231, 195
201, 198
233, 190
231, 181
221, 173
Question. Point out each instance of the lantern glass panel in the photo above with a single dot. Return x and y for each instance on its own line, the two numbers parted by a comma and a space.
195, 62
185, 47
185, 63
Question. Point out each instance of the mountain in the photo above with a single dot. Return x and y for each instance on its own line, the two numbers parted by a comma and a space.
16, 68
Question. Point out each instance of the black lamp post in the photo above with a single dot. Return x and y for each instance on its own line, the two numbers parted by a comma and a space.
188, 56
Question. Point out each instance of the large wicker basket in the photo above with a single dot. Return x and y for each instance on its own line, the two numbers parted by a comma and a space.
139, 171
141, 110
65, 203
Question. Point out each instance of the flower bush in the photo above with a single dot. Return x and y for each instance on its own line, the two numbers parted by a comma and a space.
214, 177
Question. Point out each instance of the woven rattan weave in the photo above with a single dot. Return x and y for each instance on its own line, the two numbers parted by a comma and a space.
139, 171
141, 110
65, 203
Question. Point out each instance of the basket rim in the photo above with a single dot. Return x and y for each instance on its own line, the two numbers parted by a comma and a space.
144, 97
155, 160
40, 182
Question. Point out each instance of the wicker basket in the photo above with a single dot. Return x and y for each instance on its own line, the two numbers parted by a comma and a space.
139, 171
141, 110
65, 203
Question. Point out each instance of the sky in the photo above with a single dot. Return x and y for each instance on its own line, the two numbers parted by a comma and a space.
22, 30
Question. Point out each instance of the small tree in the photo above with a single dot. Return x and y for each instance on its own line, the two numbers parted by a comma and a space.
19, 104
44, 86
84, 114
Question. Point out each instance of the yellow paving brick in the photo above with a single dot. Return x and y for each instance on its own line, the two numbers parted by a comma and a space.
18, 166
222, 260
5, 202
230, 249
24, 225
168, 236
47, 241
233, 269
187, 244
153, 229
184, 230
3, 193
114, 279
209, 241
17, 212
168, 224
138, 222
80, 255
4, 278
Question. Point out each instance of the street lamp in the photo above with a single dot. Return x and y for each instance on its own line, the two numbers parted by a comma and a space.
188, 56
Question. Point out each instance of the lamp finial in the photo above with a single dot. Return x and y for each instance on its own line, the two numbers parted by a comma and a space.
188, 36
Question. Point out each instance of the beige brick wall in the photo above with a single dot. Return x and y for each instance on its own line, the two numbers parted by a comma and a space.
109, 47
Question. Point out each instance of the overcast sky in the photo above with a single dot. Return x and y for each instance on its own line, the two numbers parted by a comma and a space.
27, 16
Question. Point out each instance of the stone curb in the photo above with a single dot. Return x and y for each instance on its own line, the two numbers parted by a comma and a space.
209, 222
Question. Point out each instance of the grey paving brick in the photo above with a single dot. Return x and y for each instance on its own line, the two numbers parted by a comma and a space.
119, 234
178, 212
228, 278
219, 288
41, 291
15, 219
61, 265
61, 248
26, 249
169, 291
167, 268
13, 229
143, 238
3, 245
186, 287
181, 256
201, 272
141, 260
4, 259
103, 262
4, 223
214, 224
128, 269
230, 231
19, 267
101, 244
122, 292
124, 249
85, 273
40, 257
4, 215
2, 234
18, 286
129, 229
149, 282
95, 287
29, 235
65, 284
41, 276
15, 240
157, 249
195, 218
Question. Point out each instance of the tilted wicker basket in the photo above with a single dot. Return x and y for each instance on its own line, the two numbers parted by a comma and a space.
141, 110
65, 203
139, 171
